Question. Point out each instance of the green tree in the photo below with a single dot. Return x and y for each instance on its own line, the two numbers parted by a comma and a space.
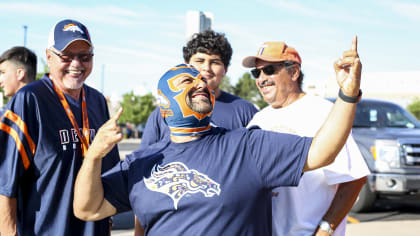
246, 89
414, 108
5, 99
136, 108
226, 86
46, 70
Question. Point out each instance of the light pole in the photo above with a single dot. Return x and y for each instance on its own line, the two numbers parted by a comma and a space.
25, 28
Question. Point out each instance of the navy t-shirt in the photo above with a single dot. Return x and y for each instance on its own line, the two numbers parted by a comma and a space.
40, 157
219, 184
230, 112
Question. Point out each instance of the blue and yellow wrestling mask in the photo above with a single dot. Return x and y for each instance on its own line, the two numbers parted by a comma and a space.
181, 119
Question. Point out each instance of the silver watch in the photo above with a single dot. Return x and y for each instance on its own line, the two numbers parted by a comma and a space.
324, 225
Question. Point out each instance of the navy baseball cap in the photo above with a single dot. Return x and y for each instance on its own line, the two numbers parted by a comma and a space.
66, 32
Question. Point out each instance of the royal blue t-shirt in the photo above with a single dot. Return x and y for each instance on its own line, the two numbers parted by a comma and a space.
40, 157
219, 184
230, 112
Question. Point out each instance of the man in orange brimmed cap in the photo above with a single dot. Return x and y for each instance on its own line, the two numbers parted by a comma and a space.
320, 203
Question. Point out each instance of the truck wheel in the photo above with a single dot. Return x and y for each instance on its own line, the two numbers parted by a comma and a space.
364, 201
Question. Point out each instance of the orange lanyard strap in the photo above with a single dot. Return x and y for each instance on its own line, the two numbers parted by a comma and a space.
84, 138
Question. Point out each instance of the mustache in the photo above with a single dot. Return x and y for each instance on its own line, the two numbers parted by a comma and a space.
205, 90
266, 83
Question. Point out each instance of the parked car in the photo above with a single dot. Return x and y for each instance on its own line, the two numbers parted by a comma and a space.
140, 129
388, 137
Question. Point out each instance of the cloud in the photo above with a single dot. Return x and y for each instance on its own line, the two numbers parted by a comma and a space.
292, 6
333, 13
129, 52
410, 10
108, 14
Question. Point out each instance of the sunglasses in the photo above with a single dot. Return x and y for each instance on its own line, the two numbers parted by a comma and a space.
83, 57
268, 70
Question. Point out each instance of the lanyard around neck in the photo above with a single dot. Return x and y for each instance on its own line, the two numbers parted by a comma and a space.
84, 138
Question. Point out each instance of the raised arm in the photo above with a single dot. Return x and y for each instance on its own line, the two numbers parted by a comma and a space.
89, 203
333, 134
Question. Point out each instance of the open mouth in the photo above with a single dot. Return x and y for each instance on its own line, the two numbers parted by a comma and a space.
265, 86
205, 94
266, 83
75, 72
200, 94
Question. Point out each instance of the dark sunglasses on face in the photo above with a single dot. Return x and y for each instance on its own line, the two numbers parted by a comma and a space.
268, 70
83, 57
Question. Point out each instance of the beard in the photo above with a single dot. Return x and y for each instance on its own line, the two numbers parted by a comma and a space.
73, 84
200, 105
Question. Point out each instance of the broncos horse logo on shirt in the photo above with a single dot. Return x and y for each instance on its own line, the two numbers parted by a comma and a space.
176, 180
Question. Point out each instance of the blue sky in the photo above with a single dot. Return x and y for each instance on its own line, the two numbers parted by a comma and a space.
137, 41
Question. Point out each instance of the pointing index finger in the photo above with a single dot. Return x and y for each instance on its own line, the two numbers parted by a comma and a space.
354, 44
117, 115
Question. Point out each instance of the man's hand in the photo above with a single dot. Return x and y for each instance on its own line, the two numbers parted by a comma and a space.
89, 203
108, 135
8, 218
319, 232
348, 71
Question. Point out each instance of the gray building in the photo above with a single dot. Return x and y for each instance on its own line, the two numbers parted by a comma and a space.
197, 21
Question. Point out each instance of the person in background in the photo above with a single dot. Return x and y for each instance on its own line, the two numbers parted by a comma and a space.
17, 69
332, 189
210, 52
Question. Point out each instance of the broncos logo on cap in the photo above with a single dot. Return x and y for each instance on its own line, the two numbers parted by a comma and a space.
72, 27
176, 180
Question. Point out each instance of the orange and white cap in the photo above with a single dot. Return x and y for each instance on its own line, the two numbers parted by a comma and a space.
273, 52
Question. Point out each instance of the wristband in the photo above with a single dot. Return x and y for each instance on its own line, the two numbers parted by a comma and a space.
348, 98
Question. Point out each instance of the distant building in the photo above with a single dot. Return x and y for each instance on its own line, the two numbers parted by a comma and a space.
197, 21
399, 87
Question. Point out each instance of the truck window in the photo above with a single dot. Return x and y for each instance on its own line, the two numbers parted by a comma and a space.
383, 115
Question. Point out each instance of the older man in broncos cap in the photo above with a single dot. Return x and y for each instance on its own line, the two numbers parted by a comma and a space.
208, 181
46, 131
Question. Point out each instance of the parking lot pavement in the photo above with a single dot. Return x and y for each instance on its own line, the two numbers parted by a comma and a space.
127, 146
385, 228
382, 228
120, 232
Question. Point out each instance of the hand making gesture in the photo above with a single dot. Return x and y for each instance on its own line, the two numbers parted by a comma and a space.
107, 136
348, 69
